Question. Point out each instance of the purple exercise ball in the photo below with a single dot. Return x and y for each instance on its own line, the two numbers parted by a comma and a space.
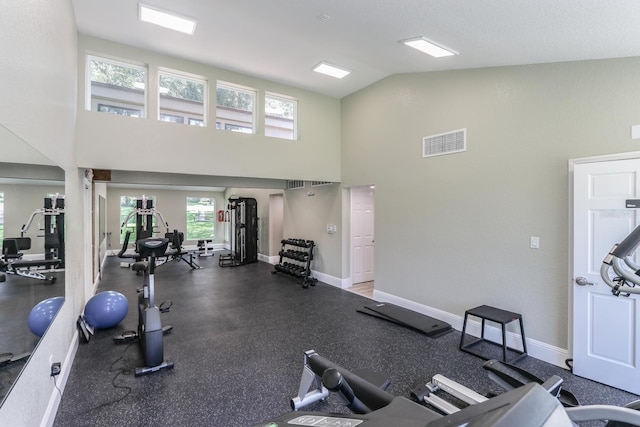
106, 309
42, 314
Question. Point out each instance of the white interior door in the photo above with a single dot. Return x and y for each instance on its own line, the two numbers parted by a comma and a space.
362, 234
605, 327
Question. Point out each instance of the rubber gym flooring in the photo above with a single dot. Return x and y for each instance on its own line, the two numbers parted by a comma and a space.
238, 342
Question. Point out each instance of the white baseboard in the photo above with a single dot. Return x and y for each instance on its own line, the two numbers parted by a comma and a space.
330, 280
56, 396
538, 349
322, 277
273, 260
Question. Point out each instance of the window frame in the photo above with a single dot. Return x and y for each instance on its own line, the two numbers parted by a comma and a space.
188, 116
283, 98
222, 122
89, 98
212, 219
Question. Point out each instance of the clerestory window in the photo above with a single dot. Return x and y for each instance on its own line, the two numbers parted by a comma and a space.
116, 87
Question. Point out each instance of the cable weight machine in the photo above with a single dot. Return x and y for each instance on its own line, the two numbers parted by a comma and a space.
243, 220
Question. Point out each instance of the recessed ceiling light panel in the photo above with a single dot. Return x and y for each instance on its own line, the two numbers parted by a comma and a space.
167, 19
429, 47
331, 70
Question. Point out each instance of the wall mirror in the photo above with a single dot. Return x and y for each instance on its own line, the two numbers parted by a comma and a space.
26, 179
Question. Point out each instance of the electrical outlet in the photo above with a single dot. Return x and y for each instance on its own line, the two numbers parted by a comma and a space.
55, 369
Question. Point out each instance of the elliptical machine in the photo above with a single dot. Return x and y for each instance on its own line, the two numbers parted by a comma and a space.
150, 330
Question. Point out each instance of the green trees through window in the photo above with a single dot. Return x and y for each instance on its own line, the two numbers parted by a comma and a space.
235, 108
179, 87
182, 99
120, 88
116, 87
200, 218
117, 75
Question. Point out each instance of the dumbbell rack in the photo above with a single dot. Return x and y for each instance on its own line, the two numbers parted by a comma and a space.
300, 252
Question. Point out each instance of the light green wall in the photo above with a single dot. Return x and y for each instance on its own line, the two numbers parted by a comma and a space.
452, 232
114, 142
307, 212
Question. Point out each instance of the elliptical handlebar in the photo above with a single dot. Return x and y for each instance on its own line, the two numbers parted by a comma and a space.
618, 260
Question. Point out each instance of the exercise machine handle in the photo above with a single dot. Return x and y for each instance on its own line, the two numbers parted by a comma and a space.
628, 245
333, 380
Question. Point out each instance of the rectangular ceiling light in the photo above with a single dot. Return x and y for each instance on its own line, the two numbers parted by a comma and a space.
331, 70
428, 47
167, 19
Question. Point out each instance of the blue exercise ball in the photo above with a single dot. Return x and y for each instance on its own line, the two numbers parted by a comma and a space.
106, 309
43, 313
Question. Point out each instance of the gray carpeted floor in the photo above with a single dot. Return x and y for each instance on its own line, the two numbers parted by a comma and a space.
238, 341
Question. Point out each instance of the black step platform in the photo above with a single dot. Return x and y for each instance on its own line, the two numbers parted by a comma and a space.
402, 316
495, 315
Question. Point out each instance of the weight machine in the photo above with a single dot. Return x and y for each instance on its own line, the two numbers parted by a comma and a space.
145, 214
243, 218
54, 250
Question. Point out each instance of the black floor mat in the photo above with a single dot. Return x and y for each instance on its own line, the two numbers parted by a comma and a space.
405, 317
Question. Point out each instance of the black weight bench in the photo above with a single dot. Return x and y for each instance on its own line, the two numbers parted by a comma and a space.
46, 263
177, 252
14, 264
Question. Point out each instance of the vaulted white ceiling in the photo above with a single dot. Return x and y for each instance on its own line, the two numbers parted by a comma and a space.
281, 40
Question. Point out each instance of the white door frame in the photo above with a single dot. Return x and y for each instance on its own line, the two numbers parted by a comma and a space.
570, 284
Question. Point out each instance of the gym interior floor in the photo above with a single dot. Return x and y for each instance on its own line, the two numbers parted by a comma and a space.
238, 341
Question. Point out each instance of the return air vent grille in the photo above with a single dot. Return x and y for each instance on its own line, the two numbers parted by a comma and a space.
293, 184
319, 183
444, 143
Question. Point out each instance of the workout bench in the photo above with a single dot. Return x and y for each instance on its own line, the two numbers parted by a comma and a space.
14, 264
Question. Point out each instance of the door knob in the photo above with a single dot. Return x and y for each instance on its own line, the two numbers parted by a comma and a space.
581, 281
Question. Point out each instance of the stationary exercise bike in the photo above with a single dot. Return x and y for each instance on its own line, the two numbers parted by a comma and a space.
150, 330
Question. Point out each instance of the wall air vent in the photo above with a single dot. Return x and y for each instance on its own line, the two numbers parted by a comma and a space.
319, 183
444, 143
293, 184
